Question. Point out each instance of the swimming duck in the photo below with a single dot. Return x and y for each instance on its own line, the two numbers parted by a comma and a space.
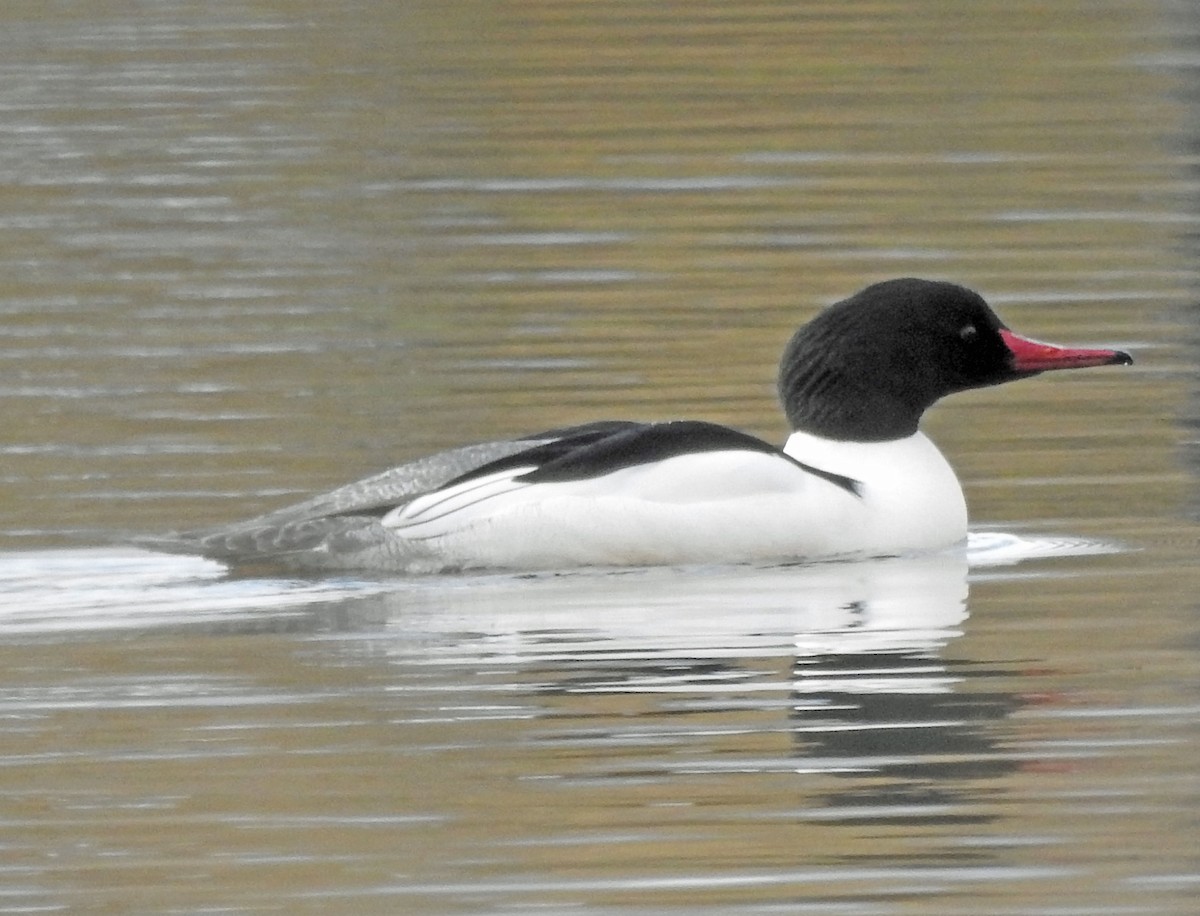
856, 477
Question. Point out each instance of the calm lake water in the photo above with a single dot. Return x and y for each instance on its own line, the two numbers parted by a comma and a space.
252, 250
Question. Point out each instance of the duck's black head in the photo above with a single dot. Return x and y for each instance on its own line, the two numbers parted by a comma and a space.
867, 368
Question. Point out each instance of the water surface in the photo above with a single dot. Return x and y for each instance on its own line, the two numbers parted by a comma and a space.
256, 250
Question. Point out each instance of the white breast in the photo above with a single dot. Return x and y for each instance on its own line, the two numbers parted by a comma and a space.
911, 496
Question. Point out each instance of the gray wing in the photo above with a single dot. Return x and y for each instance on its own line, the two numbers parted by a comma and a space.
340, 529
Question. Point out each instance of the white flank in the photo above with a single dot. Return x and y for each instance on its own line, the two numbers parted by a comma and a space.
708, 507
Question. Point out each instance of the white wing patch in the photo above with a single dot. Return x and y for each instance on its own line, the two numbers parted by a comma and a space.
434, 514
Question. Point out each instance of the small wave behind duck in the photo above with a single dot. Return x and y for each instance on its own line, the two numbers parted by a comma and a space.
47, 592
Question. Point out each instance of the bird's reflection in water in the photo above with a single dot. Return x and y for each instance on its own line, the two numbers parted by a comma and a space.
869, 691
860, 643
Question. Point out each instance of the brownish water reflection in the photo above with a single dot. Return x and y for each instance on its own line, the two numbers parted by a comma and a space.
258, 249
842, 735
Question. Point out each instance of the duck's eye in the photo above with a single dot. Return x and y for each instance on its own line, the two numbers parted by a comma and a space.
968, 333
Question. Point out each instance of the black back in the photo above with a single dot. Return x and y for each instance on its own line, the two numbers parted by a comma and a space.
600, 448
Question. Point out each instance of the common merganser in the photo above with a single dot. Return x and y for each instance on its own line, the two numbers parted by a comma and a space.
856, 477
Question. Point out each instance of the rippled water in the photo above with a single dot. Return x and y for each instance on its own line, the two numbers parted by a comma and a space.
250, 251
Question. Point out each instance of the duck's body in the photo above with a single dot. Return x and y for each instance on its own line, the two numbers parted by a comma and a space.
856, 478
723, 498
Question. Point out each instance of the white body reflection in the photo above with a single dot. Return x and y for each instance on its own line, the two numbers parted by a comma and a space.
846, 657
867, 606
864, 606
